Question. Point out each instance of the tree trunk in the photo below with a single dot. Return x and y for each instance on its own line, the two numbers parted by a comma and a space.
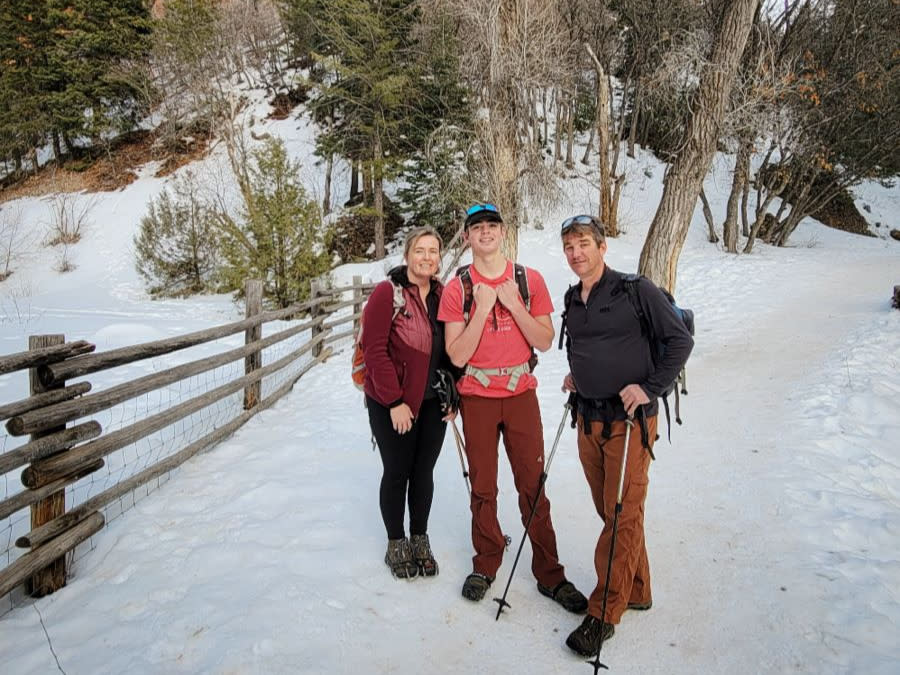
354, 179
57, 148
708, 215
659, 256
503, 116
607, 216
366, 175
570, 133
378, 186
557, 145
635, 117
546, 117
586, 157
745, 202
739, 179
326, 199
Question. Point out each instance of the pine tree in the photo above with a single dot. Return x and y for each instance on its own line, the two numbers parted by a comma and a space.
380, 91
278, 237
176, 249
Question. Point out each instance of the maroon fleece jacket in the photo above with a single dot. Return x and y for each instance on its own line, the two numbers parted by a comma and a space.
397, 353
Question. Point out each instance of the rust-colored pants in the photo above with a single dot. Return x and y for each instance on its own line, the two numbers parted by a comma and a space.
518, 418
601, 459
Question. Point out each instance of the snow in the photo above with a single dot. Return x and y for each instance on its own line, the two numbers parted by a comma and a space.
772, 520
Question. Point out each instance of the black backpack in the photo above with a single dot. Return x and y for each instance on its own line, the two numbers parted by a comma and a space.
521, 277
657, 347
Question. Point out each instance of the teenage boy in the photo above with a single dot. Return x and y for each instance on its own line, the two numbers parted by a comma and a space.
613, 376
494, 341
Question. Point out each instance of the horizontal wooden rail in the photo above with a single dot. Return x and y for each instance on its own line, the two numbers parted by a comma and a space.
41, 534
47, 445
329, 309
42, 400
342, 320
337, 290
28, 564
44, 355
71, 460
85, 365
28, 497
38, 474
60, 413
336, 337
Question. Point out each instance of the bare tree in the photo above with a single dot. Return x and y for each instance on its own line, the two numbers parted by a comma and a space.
684, 177
512, 47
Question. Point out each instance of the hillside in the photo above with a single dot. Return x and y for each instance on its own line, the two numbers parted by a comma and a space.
772, 518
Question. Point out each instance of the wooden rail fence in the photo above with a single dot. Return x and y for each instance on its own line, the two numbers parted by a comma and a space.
57, 456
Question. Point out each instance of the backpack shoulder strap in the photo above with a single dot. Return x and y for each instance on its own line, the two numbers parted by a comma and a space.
630, 282
521, 275
465, 278
567, 302
399, 300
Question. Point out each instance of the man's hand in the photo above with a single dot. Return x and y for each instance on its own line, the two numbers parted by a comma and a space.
485, 297
633, 396
568, 384
401, 418
508, 295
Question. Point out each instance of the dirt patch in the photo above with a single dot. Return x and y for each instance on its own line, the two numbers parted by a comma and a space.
284, 103
841, 213
110, 171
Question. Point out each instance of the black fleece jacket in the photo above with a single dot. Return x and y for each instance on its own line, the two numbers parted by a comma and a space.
607, 351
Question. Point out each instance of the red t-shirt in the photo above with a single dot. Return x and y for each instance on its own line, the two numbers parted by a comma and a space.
502, 343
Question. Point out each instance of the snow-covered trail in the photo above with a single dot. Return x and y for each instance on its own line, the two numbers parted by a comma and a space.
265, 554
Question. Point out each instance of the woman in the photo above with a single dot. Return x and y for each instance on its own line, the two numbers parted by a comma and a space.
403, 348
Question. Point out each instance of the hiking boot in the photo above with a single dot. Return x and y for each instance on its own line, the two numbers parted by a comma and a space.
399, 559
566, 595
475, 586
640, 606
421, 551
585, 639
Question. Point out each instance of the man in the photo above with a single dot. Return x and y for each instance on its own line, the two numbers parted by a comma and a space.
493, 340
613, 376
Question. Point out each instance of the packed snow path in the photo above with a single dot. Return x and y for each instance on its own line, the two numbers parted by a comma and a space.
773, 518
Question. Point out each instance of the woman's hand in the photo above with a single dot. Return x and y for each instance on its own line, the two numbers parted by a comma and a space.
449, 417
401, 418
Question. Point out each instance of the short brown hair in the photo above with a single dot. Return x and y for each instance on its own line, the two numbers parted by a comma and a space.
595, 229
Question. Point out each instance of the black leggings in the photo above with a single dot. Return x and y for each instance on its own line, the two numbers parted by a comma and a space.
408, 460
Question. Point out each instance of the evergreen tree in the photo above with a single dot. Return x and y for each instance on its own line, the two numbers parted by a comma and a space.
64, 71
90, 92
386, 85
177, 246
279, 237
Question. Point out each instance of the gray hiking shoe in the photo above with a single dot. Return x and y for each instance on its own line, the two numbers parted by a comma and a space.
475, 586
566, 595
424, 558
399, 558
585, 639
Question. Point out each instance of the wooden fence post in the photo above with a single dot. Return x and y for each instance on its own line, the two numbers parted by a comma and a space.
53, 577
357, 302
315, 289
253, 291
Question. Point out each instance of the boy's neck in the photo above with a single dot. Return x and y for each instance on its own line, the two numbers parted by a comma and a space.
490, 266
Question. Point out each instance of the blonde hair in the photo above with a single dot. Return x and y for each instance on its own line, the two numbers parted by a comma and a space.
416, 234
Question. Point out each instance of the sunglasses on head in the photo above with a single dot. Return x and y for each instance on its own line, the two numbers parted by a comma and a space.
580, 220
478, 208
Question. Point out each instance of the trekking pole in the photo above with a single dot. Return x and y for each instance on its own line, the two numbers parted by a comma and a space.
595, 662
460, 449
541, 481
